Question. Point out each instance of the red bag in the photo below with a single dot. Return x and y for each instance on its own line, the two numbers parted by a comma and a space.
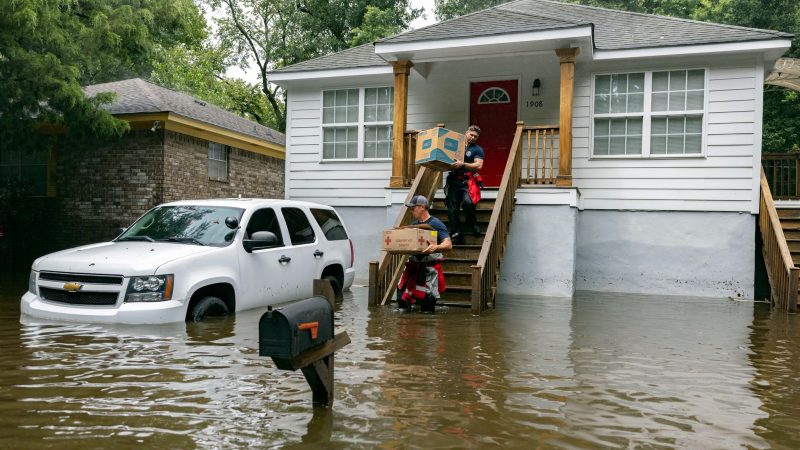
474, 186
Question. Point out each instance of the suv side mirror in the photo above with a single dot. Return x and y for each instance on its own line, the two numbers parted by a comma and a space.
121, 230
260, 240
231, 222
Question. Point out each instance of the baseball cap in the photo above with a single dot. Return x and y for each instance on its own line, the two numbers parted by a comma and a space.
418, 200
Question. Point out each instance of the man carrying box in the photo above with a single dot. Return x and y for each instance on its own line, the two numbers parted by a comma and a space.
423, 280
462, 179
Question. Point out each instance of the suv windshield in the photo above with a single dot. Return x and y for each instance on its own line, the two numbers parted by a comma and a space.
186, 224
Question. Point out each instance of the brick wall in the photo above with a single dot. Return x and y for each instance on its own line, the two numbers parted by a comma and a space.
186, 172
102, 186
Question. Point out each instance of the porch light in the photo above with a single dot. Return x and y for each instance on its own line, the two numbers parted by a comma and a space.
535, 88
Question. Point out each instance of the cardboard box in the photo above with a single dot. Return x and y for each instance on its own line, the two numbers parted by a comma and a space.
437, 148
408, 240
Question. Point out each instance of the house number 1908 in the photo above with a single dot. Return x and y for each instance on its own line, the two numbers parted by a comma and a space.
534, 103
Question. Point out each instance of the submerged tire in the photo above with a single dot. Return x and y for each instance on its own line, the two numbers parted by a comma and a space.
336, 284
207, 306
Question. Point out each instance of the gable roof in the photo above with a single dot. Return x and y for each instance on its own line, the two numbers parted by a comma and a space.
136, 96
612, 30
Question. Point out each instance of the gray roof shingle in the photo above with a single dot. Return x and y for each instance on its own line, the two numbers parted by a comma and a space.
140, 96
613, 30
361, 56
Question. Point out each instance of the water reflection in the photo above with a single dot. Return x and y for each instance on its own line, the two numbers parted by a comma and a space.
597, 371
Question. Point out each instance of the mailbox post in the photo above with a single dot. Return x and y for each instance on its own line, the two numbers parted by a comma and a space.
301, 336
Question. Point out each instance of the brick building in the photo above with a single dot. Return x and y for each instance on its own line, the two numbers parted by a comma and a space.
178, 147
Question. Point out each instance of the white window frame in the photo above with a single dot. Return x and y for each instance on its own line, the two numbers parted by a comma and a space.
647, 115
360, 124
227, 161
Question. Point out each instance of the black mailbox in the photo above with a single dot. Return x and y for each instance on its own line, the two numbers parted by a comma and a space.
286, 332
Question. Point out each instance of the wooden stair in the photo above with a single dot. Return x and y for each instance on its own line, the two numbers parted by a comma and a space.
790, 223
779, 229
458, 262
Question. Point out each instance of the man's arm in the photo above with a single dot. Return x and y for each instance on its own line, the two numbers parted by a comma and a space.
473, 166
446, 245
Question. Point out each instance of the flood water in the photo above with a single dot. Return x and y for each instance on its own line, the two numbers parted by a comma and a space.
595, 371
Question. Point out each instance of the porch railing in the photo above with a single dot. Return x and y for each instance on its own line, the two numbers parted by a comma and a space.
409, 151
386, 272
783, 174
487, 270
540, 154
782, 273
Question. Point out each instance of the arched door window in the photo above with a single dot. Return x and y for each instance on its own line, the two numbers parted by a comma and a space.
494, 95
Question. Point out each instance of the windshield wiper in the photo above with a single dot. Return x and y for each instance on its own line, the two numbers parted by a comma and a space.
183, 239
137, 238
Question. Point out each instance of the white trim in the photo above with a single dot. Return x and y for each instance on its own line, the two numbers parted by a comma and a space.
276, 77
758, 127
360, 124
730, 47
388, 48
647, 115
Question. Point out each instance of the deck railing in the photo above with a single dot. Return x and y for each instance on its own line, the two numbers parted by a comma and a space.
783, 275
540, 154
385, 273
783, 174
487, 270
409, 150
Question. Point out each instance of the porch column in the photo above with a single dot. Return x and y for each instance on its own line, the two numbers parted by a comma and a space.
566, 57
401, 71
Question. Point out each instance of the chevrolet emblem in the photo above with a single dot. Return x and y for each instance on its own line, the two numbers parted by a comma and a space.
72, 287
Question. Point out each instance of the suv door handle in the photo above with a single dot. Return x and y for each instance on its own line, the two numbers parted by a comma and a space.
284, 259
318, 254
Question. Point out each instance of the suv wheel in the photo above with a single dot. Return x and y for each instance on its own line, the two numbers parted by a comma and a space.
207, 306
335, 283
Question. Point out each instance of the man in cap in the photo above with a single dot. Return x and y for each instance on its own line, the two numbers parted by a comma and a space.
457, 187
422, 281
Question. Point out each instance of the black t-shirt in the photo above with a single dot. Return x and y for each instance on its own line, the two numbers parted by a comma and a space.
436, 224
473, 152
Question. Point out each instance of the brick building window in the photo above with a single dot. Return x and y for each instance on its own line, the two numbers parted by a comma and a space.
218, 161
25, 167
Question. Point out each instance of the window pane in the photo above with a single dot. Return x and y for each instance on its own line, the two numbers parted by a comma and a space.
601, 145
370, 149
617, 145
617, 127
352, 114
658, 145
659, 101
370, 113
696, 79
601, 127
618, 103
300, 231
602, 85
659, 125
677, 101
694, 124
677, 80
341, 98
352, 150
636, 82
328, 98
384, 113
330, 224
601, 104
633, 145
619, 84
675, 125
634, 127
385, 96
385, 150
674, 144
636, 103
693, 143
694, 100
327, 151
370, 96
327, 115
660, 81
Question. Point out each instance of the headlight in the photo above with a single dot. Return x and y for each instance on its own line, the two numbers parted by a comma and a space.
153, 288
32, 283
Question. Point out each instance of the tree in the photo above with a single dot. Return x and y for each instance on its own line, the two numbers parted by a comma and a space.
50, 48
377, 24
277, 33
450, 9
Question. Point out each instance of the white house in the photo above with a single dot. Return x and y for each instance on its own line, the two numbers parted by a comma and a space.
659, 138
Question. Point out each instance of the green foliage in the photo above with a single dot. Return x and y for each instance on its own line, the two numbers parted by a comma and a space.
450, 9
277, 33
50, 48
201, 73
377, 24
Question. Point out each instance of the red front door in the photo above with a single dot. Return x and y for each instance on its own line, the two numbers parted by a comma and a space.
493, 107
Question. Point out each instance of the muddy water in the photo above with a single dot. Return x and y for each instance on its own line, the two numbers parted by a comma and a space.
596, 371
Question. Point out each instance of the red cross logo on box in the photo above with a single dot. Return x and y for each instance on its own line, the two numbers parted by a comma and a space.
421, 240
388, 240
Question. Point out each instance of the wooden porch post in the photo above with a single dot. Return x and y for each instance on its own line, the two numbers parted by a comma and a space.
566, 57
401, 71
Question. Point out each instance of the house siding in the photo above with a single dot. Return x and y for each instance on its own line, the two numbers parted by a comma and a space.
721, 180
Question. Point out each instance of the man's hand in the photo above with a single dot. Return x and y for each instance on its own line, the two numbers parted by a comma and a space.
430, 249
456, 164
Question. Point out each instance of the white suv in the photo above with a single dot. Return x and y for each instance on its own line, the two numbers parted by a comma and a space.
185, 260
